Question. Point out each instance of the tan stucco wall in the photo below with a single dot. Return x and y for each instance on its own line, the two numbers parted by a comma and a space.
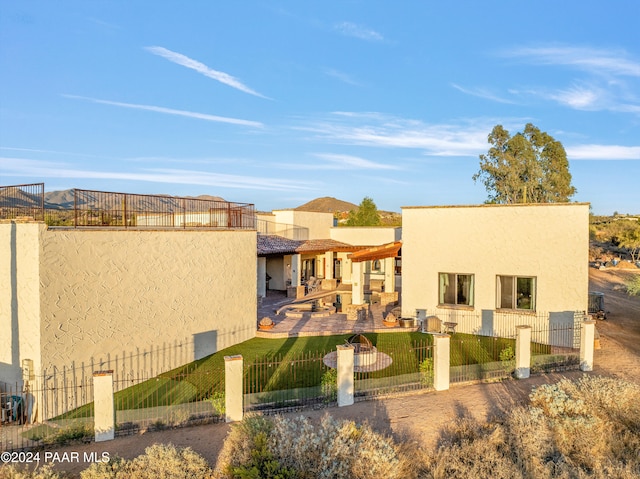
115, 291
366, 236
549, 242
318, 224
19, 298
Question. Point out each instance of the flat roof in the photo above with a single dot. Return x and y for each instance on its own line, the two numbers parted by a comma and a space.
494, 205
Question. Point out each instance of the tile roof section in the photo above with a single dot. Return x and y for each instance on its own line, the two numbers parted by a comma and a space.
272, 244
277, 245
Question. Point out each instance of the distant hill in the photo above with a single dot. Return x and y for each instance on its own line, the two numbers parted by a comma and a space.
65, 200
327, 204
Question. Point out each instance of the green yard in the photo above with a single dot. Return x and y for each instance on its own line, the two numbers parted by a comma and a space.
292, 363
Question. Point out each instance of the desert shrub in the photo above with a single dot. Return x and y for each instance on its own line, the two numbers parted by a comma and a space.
472, 450
633, 286
588, 428
297, 448
240, 443
426, 372
263, 465
15, 472
217, 400
159, 461
329, 384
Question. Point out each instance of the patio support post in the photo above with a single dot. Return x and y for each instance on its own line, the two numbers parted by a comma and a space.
296, 264
233, 397
389, 275
523, 352
262, 277
441, 361
357, 282
346, 385
104, 410
328, 265
587, 339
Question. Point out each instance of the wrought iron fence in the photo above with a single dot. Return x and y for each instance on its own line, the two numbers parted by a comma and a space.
289, 381
101, 208
125, 210
22, 201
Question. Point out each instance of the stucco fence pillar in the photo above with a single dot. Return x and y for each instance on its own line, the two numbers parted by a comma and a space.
587, 339
346, 384
523, 352
441, 361
233, 396
104, 407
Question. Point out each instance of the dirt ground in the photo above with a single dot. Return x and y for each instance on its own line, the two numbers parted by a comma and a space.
420, 417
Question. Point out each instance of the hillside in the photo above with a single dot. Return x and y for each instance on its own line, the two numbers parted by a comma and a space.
327, 204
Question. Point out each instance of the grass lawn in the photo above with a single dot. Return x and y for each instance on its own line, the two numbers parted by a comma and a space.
279, 364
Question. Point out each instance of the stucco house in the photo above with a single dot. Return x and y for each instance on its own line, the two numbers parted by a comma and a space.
71, 296
290, 254
487, 267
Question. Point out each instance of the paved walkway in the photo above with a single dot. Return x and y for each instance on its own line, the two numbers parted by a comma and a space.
319, 326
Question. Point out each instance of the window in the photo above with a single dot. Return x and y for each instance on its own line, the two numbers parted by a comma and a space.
516, 292
456, 289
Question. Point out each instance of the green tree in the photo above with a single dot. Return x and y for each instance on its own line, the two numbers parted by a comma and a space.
366, 214
629, 238
528, 167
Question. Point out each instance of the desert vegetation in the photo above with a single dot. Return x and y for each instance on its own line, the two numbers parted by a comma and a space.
587, 428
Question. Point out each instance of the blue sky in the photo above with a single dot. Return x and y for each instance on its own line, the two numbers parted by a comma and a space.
277, 103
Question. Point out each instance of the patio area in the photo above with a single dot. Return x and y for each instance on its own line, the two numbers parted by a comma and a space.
326, 325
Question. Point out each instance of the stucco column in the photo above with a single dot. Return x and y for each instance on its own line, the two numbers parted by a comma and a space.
441, 361
389, 275
346, 385
523, 351
586, 345
328, 265
357, 282
104, 410
262, 277
296, 264
233, 397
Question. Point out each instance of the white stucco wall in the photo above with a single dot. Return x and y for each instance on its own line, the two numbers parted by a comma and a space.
549, 242
19, 298
114, 291
318, 224
366, 235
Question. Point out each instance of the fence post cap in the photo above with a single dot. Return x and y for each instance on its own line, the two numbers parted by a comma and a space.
103, 373
344, 347
236, 357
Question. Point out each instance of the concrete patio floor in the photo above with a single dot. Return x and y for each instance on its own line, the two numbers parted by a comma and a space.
336, 323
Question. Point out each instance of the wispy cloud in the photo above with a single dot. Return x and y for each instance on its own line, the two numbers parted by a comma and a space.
603, 152
170, 111
463, 138
203, 69
610, 80
482, 93
45, 169
334, 161
343, 77
598, 61
358, 31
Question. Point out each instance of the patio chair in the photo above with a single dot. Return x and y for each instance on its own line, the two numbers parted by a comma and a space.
312, 285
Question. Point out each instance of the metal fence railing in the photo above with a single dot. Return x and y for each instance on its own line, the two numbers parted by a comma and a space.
288, 231
22, 201
125, 210
288, 381
151, 393
100, 208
